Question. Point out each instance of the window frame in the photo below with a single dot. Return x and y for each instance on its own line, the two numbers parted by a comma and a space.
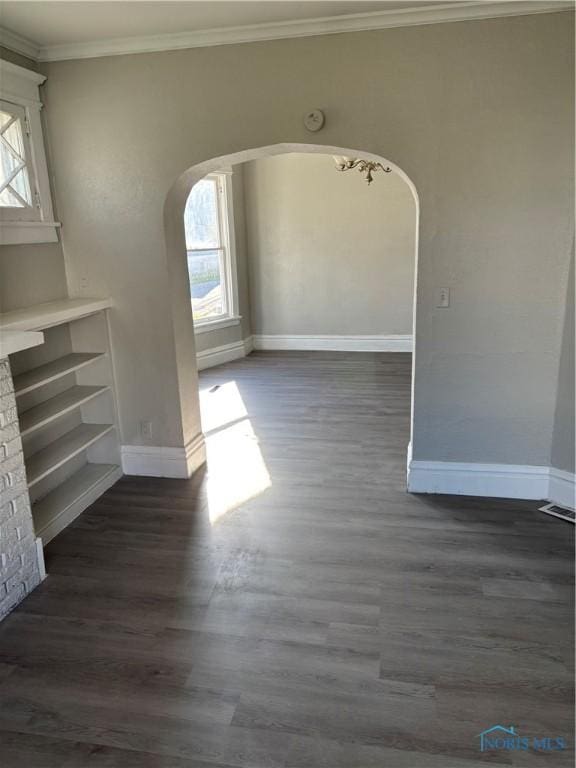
228, 266
19, 89
18, 212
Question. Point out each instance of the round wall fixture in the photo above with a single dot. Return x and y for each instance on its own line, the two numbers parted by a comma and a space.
314, 120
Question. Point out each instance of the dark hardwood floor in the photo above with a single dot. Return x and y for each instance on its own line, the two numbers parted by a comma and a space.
293, 606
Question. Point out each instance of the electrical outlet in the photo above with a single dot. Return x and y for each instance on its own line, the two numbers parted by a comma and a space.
146, 429
443, 298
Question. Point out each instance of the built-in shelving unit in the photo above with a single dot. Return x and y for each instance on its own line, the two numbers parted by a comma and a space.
65, 394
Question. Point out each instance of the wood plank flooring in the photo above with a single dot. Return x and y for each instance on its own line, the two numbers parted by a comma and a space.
293, 606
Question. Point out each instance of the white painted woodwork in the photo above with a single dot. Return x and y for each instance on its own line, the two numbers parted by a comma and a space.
67, 471
44, 413
110, 43
335, 343
49, 372
506, 481
52, 313
19, 87
40, 464
16, 341
62, 505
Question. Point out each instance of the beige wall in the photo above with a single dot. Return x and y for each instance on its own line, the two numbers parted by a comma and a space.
479, 115
564, 437
328, 254
31, 274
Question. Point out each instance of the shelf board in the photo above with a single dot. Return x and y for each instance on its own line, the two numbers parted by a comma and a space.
57, 509
41, 316
45, 374
52, 409
15, 341
55, 455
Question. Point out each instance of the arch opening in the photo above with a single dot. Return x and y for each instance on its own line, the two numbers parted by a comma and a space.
177, 264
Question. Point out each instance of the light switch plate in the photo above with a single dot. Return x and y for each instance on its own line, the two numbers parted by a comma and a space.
443, 298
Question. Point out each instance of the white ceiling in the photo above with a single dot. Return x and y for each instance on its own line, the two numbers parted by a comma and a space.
55, 22
56, 29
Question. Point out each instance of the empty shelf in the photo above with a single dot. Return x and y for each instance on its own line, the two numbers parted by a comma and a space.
43, 462
51, 313
52, 409
58, 508
44, 374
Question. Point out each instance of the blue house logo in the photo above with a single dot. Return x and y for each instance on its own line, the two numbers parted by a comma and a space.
498, 737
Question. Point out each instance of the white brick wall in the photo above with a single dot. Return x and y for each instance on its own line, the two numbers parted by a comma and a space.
19, 571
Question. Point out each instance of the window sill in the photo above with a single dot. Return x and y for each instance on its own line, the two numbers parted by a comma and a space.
22, 232
216, 325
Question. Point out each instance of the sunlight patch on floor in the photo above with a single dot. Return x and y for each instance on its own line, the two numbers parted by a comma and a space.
236, 468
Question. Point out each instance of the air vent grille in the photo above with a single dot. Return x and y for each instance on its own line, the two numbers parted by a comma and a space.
564, 514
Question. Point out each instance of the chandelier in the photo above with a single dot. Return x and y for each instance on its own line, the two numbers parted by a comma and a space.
368, 167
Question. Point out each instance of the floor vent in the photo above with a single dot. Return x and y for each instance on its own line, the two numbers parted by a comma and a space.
564, 514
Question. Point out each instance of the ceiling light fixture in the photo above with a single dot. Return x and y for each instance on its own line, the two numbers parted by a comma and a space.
369, 167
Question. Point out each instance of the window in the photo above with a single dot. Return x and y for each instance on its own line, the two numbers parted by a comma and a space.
15, 192
209, 228
25, 203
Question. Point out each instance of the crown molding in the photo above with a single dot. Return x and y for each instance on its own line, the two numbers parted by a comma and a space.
19, 44
357, 22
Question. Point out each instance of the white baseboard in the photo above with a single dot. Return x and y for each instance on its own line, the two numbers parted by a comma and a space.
562, 489
195, 451
238, 349
160, 461
379, 343
248, 344
507, 481
224, 354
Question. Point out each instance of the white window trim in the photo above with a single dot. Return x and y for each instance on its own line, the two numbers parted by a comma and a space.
20, 86
228, 236
215, 325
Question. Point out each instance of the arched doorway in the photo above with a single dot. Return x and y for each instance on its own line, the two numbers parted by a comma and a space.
177, 268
